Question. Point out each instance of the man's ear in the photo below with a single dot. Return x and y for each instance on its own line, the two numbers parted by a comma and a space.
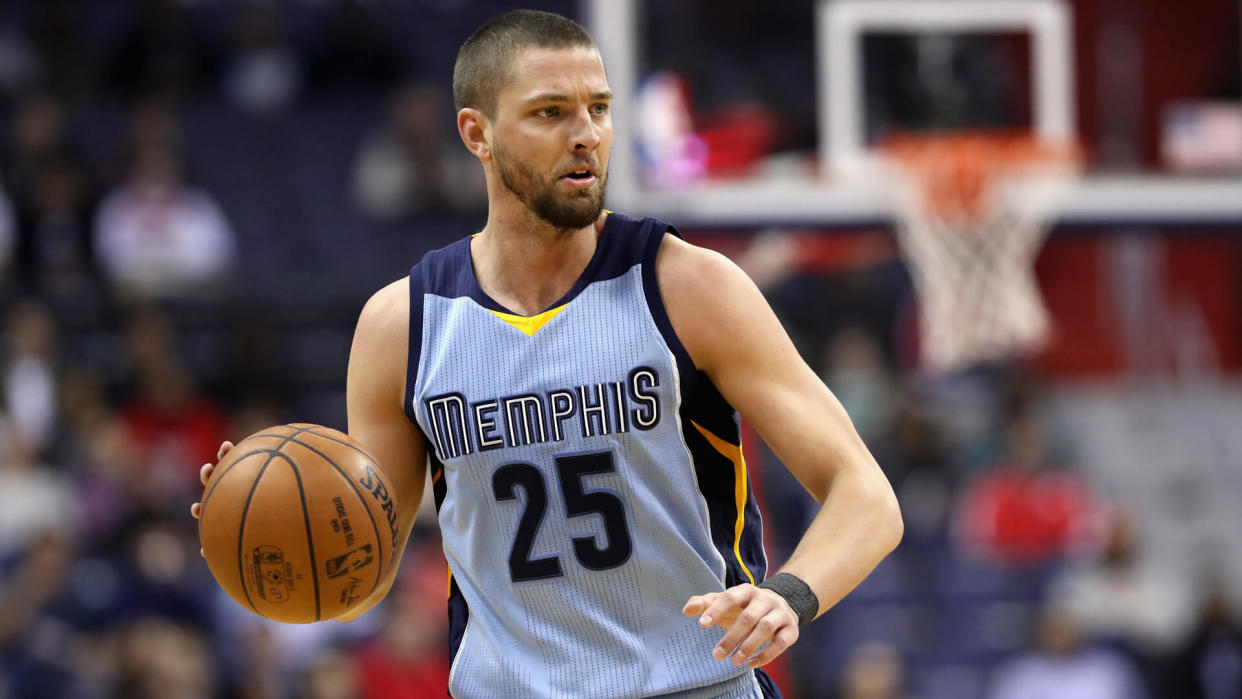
475, 130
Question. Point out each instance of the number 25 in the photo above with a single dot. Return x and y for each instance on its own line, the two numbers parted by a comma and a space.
570, 472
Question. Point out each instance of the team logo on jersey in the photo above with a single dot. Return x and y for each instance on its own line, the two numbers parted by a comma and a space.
460, 427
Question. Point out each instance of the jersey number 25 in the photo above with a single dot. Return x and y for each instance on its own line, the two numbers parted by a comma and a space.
570, 471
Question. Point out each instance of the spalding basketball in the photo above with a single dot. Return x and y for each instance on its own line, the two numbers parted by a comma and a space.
298, 523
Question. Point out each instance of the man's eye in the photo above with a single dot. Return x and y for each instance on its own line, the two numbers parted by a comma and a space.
549, 111
600, 109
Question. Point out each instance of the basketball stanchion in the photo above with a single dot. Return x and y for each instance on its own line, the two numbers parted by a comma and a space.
974, 209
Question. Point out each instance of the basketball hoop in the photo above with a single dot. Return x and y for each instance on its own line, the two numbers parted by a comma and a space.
974, 210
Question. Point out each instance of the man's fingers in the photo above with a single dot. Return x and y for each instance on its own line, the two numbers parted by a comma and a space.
723, 610
224, 449
784, 639
204, 472
738, 631
765, 629
697, 604
196, 510
758, 624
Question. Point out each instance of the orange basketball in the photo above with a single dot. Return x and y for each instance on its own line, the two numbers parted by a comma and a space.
299, 523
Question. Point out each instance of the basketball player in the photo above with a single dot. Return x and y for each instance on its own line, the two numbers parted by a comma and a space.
570, 377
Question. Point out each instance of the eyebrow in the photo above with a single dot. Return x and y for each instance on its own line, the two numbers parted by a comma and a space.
558, 97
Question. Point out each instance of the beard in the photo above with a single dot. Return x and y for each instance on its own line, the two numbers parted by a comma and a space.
563, 210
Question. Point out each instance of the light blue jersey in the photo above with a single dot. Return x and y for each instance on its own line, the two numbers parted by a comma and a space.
588, 480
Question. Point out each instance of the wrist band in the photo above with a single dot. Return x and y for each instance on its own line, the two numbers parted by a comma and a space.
797, 593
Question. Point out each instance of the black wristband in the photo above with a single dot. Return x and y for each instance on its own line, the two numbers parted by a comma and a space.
797, 593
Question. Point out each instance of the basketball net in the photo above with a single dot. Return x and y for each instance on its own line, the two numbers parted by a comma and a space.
974, 211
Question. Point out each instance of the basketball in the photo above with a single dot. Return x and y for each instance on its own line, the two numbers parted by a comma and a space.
298, 523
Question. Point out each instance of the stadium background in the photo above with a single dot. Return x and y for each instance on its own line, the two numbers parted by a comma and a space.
199, 196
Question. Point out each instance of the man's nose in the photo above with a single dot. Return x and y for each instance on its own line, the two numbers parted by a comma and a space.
584, 137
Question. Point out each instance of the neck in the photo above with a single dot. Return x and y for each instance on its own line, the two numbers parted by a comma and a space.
525, 264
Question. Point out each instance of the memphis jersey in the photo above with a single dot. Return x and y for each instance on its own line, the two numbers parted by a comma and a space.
588, 481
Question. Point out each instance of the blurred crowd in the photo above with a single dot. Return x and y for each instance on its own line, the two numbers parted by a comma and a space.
157, 299
179, 183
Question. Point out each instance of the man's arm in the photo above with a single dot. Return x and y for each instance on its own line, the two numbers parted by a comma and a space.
374, 395
734, 337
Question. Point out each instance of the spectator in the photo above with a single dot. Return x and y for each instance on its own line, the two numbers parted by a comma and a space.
38, 137
265, 657
264, 73
1024, 511
54, 254
1062, 665
1209, 665
857, 375
37, 527
157, 237
160, 658
406, 660
872, 671
175, 429
333, 676
1146, 605
30, 375
172, 426
32, 644
112, 480
912, 453
415, 164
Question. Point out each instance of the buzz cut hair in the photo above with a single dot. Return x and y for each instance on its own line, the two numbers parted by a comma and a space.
484, 61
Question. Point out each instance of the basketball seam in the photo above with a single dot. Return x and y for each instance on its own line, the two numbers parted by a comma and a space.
285, 437
290, 438
310, 541
241, 527
224, 473
357, 492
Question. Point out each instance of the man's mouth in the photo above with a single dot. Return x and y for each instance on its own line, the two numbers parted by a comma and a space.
579, 178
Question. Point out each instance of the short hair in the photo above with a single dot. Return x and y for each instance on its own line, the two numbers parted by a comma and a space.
483, 63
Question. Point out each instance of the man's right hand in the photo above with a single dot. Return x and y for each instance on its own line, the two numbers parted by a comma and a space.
204, 473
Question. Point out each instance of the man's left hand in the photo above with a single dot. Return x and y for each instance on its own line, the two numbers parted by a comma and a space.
751, 617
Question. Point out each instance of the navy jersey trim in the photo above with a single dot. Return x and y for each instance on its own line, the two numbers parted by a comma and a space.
458, 610
702, 404
653, 236
416, 338
767, 685
450, 270
458, 617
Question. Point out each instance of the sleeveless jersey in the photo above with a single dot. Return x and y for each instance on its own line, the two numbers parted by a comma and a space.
588, 480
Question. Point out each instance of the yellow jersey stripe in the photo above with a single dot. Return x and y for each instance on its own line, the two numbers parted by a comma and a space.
734, 454
529, 324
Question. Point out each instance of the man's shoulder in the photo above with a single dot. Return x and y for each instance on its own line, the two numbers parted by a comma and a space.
684, 262
387, 308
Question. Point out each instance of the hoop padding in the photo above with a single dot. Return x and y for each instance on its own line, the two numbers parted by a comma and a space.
974, 212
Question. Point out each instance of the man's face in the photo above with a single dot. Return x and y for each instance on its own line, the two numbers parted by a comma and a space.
553, 132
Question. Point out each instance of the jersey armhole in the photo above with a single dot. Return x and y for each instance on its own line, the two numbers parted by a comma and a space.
655, 300
416, 341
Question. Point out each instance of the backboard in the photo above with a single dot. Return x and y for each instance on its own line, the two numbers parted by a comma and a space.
722, 127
